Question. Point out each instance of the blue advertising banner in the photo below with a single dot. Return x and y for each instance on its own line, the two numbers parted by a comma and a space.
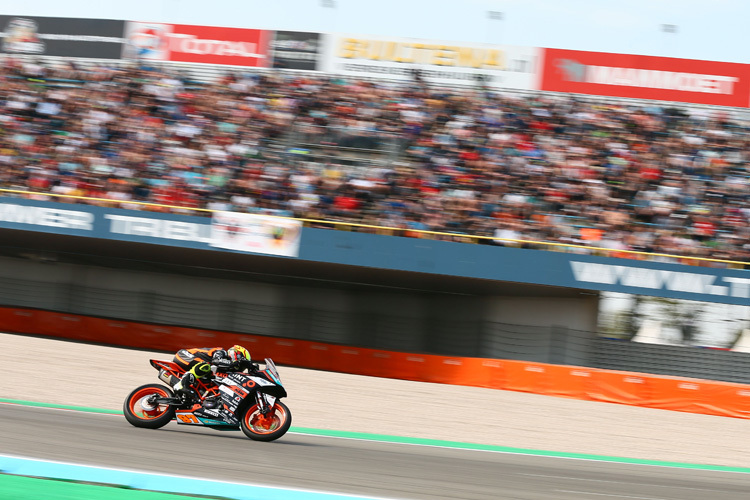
109, 223
678, 281
728, 286
245, 233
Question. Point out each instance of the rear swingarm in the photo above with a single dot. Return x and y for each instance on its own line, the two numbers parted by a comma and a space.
155, 400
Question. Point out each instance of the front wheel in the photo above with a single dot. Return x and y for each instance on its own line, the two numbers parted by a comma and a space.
269, 427
141, 411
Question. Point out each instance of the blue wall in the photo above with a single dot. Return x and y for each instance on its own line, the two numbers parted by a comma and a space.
406, 254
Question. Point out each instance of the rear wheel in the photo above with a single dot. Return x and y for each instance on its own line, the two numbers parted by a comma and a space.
267, 427
141, 411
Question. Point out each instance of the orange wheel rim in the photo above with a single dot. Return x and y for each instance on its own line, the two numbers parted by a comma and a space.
263, 424
139, 399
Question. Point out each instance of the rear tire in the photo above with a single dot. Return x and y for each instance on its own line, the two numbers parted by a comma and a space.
260, 428
140, 414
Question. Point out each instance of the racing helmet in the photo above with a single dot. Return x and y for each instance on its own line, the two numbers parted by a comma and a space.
238, 353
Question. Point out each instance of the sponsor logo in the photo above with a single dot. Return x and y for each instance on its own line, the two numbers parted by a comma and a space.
422, 53
226, 390
689, 387
575, 71
52, 36
191, 44
301, 45
22, 37
262, 381
50, 217
634, 380
149, 41
159, 228
433, 60
296, 50
213, 45
645, 77
659, 279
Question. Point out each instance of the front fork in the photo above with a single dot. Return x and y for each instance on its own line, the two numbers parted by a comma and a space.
262, 403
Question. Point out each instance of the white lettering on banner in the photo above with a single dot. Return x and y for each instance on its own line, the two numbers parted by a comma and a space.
656, 279
190, 44
81, 38
159, 228
740, 287
667, 80
51, 217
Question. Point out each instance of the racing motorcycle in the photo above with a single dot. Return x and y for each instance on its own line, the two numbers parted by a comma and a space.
236, 400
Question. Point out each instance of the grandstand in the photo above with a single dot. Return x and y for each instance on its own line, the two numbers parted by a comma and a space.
441, 176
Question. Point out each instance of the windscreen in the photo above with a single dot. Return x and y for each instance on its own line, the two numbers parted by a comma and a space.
272, 371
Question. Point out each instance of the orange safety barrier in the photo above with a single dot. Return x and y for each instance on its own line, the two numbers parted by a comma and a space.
410, 366
380, 363
569, 381
470, 371
525, 377
18, 320
493, 368
319, 356
638, 389
619, 387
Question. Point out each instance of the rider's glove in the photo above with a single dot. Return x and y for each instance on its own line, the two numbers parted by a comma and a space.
222, 363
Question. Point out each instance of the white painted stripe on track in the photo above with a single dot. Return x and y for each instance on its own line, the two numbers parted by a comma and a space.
142, 480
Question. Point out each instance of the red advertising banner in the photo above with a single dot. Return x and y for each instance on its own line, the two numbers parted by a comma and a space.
646, 77
197, 44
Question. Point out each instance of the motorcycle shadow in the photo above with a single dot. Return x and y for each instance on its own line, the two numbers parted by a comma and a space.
288, 439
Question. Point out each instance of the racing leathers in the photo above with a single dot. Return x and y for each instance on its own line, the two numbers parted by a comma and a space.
199, 362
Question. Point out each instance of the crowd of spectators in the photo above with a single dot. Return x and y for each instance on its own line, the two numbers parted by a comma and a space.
622, 176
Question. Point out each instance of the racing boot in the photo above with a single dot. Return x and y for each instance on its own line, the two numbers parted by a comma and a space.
184, 390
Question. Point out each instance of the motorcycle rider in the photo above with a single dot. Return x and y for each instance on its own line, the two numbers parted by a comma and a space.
200, 362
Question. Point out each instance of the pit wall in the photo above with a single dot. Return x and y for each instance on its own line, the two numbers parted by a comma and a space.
636, 389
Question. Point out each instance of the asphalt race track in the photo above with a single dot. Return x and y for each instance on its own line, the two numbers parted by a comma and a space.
348, 466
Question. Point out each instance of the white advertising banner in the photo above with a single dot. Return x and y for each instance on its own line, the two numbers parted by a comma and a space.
451, 63
256, 233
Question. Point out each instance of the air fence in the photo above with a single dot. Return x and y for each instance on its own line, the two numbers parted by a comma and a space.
381, 330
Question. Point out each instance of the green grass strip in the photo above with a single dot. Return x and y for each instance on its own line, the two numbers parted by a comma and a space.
446, 444
53, 489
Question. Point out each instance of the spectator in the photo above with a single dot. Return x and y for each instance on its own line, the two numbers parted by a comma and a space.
513, 169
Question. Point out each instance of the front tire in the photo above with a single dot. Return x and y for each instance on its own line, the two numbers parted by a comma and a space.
140, 413
259, 427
